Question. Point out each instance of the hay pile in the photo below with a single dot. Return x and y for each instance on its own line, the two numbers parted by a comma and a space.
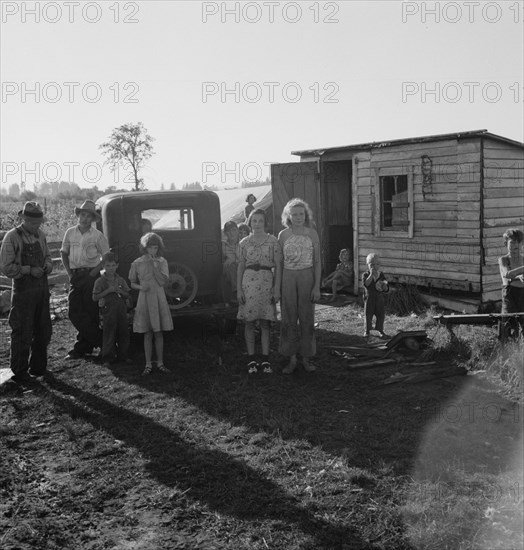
404, 300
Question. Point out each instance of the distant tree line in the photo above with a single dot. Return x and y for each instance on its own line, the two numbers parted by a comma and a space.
69, 190
56, 189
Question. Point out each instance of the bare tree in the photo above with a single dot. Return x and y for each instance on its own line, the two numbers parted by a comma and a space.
129, 144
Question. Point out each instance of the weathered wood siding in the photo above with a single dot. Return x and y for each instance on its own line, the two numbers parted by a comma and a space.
503, 195
444, 251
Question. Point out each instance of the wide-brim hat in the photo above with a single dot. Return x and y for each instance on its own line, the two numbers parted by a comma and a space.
32, 211
90, 207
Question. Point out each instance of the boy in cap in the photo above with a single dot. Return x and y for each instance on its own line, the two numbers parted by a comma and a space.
82, 250
25, 258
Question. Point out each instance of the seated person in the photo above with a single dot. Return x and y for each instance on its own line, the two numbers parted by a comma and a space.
342, 276
145, 226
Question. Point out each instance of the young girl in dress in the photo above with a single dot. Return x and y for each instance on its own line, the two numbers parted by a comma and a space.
149, 274
258, 287
300, 284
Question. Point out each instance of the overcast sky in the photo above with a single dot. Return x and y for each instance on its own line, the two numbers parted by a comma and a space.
226, 88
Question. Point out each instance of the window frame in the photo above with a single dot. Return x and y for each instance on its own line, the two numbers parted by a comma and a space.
378, 210
181, 209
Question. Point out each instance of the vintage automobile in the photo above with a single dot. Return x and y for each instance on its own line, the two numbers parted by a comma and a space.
189, 224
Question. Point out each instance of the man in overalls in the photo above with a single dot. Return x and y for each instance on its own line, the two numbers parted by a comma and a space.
25, 258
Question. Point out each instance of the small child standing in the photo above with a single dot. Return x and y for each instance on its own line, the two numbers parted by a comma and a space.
149, 274
375, 285
342, 276
111, 292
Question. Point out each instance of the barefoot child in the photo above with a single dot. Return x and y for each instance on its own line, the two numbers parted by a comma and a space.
111, 292
149, 274
342, 276
375, 285
258, 287
300, 284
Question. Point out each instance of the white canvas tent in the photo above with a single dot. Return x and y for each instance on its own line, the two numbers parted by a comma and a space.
233, 201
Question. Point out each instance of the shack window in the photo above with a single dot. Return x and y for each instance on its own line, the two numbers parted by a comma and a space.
168, 219
394, 202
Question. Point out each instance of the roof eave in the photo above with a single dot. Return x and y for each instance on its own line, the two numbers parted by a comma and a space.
422, 139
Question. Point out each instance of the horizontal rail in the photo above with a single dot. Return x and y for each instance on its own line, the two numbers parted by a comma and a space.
476, 319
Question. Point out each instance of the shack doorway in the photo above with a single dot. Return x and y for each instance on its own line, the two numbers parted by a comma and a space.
338, 219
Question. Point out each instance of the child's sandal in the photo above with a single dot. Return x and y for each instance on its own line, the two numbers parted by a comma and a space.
266, 367
162, 368
252, 367
148, 369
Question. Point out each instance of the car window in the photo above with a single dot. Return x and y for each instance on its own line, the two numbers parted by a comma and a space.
169, 219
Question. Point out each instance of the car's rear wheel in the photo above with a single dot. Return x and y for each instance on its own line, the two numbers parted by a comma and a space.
182, 286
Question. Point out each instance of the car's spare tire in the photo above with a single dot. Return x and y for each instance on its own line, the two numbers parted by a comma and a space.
182, 286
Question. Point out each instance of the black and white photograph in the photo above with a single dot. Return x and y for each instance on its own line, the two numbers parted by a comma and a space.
261, 275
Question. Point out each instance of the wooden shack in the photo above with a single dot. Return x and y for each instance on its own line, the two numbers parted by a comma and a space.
433, 207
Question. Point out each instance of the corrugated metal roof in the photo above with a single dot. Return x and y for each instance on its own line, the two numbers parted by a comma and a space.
421, 139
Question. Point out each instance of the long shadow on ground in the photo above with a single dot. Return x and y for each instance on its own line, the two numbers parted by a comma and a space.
342, 411
349, 413
225, 484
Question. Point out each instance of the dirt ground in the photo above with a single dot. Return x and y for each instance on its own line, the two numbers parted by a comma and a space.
210, 457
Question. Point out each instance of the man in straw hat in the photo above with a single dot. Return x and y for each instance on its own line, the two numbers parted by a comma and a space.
25, 258
82, 250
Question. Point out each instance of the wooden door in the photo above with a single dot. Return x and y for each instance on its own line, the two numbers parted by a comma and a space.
294, 179
338, 226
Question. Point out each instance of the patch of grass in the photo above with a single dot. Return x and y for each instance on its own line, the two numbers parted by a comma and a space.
478, 348
404, 299
437, 512
502, 361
